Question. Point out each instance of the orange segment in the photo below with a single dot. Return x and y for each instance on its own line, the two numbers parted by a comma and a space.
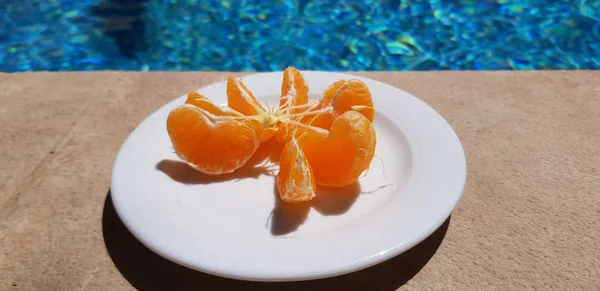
239, 98
339, 157
203, 102
322, 120
294, 92
264, 133
323, 102
295, 180
194, 96
329, 93
212, 144
341, 96
354, 95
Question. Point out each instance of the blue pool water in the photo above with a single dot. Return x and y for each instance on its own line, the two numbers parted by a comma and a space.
231, 35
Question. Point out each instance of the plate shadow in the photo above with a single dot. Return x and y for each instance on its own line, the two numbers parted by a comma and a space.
146, 270
287, 217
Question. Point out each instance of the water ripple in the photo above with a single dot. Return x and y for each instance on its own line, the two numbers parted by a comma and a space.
339, 35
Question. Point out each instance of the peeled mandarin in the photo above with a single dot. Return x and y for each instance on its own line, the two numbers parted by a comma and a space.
354, 95
294, 90
339, 156
295, 180
321, 120
240, 99
294, 93
324, 101
329, 93
211, 144
203, 102
340, 97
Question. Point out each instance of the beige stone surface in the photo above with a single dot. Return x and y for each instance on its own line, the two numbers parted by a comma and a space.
529, 218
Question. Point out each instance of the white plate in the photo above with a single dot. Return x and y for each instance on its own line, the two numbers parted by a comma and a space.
236, 227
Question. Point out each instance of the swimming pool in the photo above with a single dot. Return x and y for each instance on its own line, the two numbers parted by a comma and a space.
230, 35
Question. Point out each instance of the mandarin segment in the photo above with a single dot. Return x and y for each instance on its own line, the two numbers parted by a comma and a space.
323, 102
203, 102
263, 133
212, 144
322, 120
340, 156
239, 98
294, 93
329, 93
340, 97
294, 89
354, 95
295, 180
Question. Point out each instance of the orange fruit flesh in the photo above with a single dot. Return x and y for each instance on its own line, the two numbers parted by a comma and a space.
216, 140
323, 102
340, 156
322, 120
203, 102
295, 180
294, 92
240, 99
263, 133
354, 95
212, 145
340, 97
329, 93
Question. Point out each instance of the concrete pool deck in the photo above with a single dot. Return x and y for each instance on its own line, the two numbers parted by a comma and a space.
528, 219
